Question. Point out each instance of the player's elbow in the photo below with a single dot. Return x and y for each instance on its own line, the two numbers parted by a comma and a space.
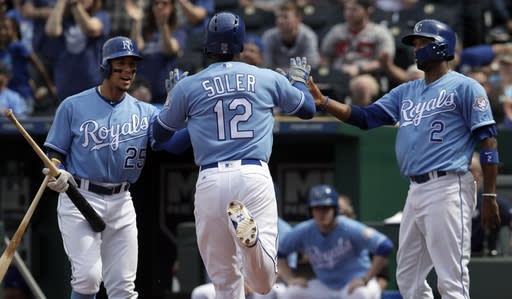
161, 134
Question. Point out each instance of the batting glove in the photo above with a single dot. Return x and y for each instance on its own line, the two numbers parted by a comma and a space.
282, 72
299, 70
174, 77
61, 184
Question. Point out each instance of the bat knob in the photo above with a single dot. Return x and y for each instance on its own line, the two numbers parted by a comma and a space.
8, 113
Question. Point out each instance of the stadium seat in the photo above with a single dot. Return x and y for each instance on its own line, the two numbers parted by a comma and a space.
332, 82
221, 5
256, 19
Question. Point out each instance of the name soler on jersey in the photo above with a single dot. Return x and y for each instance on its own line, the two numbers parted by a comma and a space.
224, 84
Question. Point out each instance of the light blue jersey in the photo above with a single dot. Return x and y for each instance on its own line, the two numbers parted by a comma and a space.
339, 256
98, 137
229, 110
283, 228
436, 122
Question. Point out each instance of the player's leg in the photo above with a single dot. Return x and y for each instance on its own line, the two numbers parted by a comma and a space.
214, 239
82, 246
372, 290
277, 291
119, 248
256, 192
204, 291
413, 259
449, 234
75, 295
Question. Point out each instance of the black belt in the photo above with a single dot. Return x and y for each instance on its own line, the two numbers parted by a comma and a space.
104, 190
244, 162
423, 178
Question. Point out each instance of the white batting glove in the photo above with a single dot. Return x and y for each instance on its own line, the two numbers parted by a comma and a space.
282, 72
174, 77
299, 70
61, 184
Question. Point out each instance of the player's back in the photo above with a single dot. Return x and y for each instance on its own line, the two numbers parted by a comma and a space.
229, 107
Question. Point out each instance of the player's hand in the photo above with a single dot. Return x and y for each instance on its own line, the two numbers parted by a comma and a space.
299, 70
319, 98
174, 77
60, 184
490, 214
355, 283
298, 281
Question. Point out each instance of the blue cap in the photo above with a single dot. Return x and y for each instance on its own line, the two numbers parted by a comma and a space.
252, 38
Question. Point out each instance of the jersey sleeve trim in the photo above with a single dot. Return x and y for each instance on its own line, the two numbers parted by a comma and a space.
299, 105
482, 124
387, 111
164, 125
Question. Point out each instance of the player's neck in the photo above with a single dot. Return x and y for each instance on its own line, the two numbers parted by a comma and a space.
435, 73
109, 92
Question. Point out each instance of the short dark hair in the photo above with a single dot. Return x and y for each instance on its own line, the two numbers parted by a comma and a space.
364, 3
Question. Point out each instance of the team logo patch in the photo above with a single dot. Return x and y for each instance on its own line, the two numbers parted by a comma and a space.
368, 233
481, 103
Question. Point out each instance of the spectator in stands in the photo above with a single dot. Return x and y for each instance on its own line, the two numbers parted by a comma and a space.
290, 38
505, 69
485, 243
395, 5
38, 11
354, 46
159, 41
338, 249
79, 28
26, 26
253, 51
266, 5
120, 21
363, 89
10, 99
194, 15
19, 58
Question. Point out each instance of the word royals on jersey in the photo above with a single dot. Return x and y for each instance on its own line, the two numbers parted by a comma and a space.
413, 113
98, 134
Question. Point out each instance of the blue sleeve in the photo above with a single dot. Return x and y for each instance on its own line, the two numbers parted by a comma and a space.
481, 133
505, 208
161, 134
369, 117
179, 142
477, 55
384, 248
308, 109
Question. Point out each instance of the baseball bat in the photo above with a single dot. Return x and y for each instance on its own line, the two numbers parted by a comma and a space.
76, 197
8, 254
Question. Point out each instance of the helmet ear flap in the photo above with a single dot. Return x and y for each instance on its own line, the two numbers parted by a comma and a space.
105, 69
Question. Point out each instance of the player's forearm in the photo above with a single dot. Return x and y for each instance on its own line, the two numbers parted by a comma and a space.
490, 170
285, 271
339, 110
378, 263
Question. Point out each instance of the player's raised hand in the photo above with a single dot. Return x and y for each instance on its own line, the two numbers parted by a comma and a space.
319, 98
174, 77
490, 217
299, 70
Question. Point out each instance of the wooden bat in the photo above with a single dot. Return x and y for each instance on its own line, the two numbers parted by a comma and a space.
8, 254
76, 197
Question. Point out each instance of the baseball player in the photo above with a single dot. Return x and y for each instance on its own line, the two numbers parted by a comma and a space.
101, 137
338, 249
440, 119
228, 108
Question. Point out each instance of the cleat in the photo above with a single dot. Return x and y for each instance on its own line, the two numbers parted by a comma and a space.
245, 226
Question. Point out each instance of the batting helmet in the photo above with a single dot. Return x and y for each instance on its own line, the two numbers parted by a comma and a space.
115, 47
443, 46
323, 195
225, 34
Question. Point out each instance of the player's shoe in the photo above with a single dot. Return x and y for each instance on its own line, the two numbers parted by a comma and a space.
245, 226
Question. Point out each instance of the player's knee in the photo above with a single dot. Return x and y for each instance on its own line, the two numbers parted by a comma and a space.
87, 282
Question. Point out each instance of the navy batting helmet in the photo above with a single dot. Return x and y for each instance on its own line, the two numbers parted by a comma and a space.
115, 47
225, 34
323, 195
443, 46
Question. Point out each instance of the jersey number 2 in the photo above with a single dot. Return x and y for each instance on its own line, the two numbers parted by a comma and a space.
437, 128
235, 132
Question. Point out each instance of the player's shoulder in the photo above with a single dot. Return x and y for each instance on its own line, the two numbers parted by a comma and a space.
81, 96
143, 105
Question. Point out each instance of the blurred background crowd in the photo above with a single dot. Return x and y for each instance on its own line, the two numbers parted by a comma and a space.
49, 49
